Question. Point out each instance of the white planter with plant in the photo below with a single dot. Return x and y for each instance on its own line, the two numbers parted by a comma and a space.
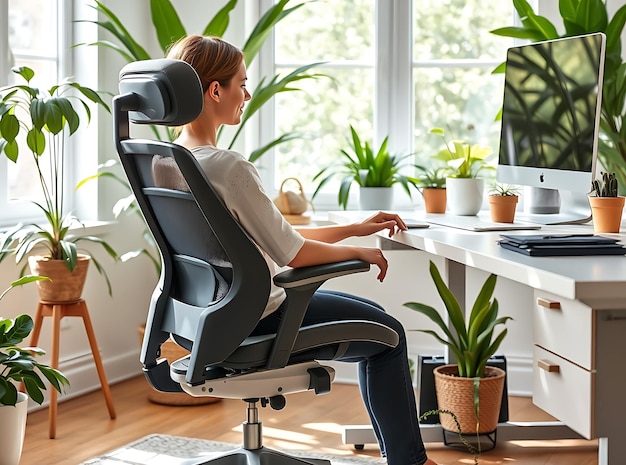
465, 190
18, 365
40, 123
367, 169
472, 343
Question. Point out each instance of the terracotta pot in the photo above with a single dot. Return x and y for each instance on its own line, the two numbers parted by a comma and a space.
502, 208
434, 200
64, 285
606, 213
457, 395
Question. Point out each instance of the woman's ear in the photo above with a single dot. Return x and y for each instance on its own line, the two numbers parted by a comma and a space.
214, 90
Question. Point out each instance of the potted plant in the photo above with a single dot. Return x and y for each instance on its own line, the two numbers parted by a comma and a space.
464, 187
18, 365
583, 17
432, 185
40, 123
470, 389
375, 173
503, 202
606, 205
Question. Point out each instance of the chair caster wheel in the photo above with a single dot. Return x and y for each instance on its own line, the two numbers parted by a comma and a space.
359, 446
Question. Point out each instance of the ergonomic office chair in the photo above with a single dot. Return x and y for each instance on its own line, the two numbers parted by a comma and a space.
215, 283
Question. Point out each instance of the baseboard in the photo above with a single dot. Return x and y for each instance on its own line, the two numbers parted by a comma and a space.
81, 371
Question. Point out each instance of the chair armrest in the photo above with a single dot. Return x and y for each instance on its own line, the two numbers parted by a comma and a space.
300, 285
297, 277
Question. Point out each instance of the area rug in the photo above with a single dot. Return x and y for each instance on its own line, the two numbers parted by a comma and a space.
162, 449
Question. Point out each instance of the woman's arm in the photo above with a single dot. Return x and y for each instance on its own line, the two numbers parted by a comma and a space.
371, 225
315, 252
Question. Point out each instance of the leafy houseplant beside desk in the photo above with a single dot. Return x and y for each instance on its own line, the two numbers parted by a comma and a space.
579, 328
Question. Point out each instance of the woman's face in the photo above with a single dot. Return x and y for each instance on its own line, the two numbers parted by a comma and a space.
233, 96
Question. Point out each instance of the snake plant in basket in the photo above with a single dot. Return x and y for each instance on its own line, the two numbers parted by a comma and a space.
472, 343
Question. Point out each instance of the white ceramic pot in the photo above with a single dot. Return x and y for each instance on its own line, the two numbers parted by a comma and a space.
375, 198
12, 430
465, 195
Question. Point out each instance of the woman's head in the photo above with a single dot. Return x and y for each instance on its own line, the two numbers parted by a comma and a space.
213, 58
222, 72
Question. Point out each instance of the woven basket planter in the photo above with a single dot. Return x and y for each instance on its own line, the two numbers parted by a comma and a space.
64, 285
172, 352
456, 394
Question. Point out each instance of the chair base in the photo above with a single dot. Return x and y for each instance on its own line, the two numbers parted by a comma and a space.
262, 456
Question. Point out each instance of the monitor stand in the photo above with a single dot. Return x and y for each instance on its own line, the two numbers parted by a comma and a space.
551, 206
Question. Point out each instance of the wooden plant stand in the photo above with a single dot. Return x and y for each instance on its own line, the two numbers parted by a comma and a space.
59, 310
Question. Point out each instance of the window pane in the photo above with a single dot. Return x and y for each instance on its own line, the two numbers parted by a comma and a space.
341, 32
33, 27
453, 99
327, 30
459, 29
323, 114
33, 42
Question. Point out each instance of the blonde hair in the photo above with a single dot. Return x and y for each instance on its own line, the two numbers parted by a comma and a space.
213, 59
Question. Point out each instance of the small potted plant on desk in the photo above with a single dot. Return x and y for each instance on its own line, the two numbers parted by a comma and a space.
432, 185
48, 119
503, 202
18, 365
464, 187
470, 389
375, 173
606, 205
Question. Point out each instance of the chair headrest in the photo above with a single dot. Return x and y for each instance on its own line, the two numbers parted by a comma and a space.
168, 91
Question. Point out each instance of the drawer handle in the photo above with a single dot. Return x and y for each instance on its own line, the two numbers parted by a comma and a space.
548, 366
546, 303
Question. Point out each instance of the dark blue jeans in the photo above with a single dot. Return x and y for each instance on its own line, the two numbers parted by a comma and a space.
384, 377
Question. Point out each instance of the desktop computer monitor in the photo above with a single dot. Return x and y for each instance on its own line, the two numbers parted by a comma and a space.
550, 125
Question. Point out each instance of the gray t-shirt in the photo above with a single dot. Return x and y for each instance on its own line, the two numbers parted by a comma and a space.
237, 182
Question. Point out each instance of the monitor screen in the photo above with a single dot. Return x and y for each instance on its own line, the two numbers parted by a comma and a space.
551, 113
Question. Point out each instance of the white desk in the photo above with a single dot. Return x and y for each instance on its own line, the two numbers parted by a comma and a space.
579, 321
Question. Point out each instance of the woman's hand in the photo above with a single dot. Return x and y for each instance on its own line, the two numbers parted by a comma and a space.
375, 256
380, 221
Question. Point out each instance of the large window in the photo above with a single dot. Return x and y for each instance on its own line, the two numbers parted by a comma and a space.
29, 36
394, 67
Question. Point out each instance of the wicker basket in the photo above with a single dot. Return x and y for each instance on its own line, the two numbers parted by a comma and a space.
456, 394
172, 352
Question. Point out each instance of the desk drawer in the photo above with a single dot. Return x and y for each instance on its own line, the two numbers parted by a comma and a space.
565, 327
564, 390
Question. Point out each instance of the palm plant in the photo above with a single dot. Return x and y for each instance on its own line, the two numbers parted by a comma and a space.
366, 168
47, 119
582, 17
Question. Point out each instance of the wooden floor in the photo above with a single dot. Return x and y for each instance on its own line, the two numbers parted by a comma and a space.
84, 429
